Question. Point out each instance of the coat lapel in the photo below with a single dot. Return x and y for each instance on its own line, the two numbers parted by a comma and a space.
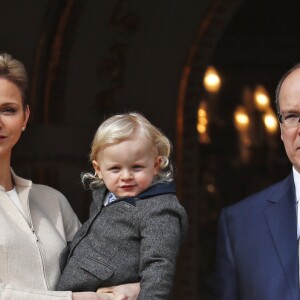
282, 221
98, 197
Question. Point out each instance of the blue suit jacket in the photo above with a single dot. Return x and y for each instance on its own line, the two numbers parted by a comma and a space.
257, 256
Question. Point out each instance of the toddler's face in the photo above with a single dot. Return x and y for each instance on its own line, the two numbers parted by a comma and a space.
127, 168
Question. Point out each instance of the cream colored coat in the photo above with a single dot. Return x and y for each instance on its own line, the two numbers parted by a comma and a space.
30, 246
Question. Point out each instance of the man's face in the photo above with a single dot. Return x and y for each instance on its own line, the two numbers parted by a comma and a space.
289, 102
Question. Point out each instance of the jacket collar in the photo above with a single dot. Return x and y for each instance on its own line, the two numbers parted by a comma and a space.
285, 187
160, 188
19, 181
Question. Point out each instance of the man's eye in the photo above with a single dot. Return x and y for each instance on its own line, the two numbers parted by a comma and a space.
291, 117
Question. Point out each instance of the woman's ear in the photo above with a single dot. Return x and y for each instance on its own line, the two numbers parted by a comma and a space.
27, 114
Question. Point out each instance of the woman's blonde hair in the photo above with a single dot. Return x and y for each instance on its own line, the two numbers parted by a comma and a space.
120, 127
14, 71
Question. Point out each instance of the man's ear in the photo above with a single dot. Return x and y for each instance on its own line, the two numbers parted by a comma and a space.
281, 134
97, 168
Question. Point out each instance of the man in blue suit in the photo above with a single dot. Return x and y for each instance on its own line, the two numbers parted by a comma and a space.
257, 246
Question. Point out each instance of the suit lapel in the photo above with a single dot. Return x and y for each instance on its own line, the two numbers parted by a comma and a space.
282, 221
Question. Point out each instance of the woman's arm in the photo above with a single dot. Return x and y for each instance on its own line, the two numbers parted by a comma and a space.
8, 292
129, 290
98, 296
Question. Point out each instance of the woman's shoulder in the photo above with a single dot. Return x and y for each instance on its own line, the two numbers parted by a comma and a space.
35, 188
50, 197
46, 190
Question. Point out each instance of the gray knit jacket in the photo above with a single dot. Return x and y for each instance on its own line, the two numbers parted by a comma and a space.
130, 240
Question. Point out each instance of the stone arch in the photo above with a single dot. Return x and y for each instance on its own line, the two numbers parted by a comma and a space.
200, 53
52, 58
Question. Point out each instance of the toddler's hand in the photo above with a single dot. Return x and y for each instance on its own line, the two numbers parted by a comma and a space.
130, 291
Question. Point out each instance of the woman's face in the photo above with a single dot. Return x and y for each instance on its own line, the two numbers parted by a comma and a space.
13, 117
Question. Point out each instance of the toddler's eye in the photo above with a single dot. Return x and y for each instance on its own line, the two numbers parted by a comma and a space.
137, 167
114, 169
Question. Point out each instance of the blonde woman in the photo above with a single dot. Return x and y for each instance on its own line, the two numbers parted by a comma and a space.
36, 221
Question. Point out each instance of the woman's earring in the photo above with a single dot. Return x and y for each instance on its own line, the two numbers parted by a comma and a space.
23, 128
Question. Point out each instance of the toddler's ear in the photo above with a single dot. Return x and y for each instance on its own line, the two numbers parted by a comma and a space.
97, 168
157, 165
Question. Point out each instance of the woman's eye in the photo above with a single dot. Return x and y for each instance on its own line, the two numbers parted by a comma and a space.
8, 111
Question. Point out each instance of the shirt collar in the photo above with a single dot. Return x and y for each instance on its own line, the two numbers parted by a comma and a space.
296, 175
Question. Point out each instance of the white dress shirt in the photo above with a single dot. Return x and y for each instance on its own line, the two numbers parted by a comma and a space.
297, 189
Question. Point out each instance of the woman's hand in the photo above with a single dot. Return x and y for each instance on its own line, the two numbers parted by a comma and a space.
129, 290
97, 296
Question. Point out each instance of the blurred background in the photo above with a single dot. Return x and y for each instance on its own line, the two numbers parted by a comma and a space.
203, 71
